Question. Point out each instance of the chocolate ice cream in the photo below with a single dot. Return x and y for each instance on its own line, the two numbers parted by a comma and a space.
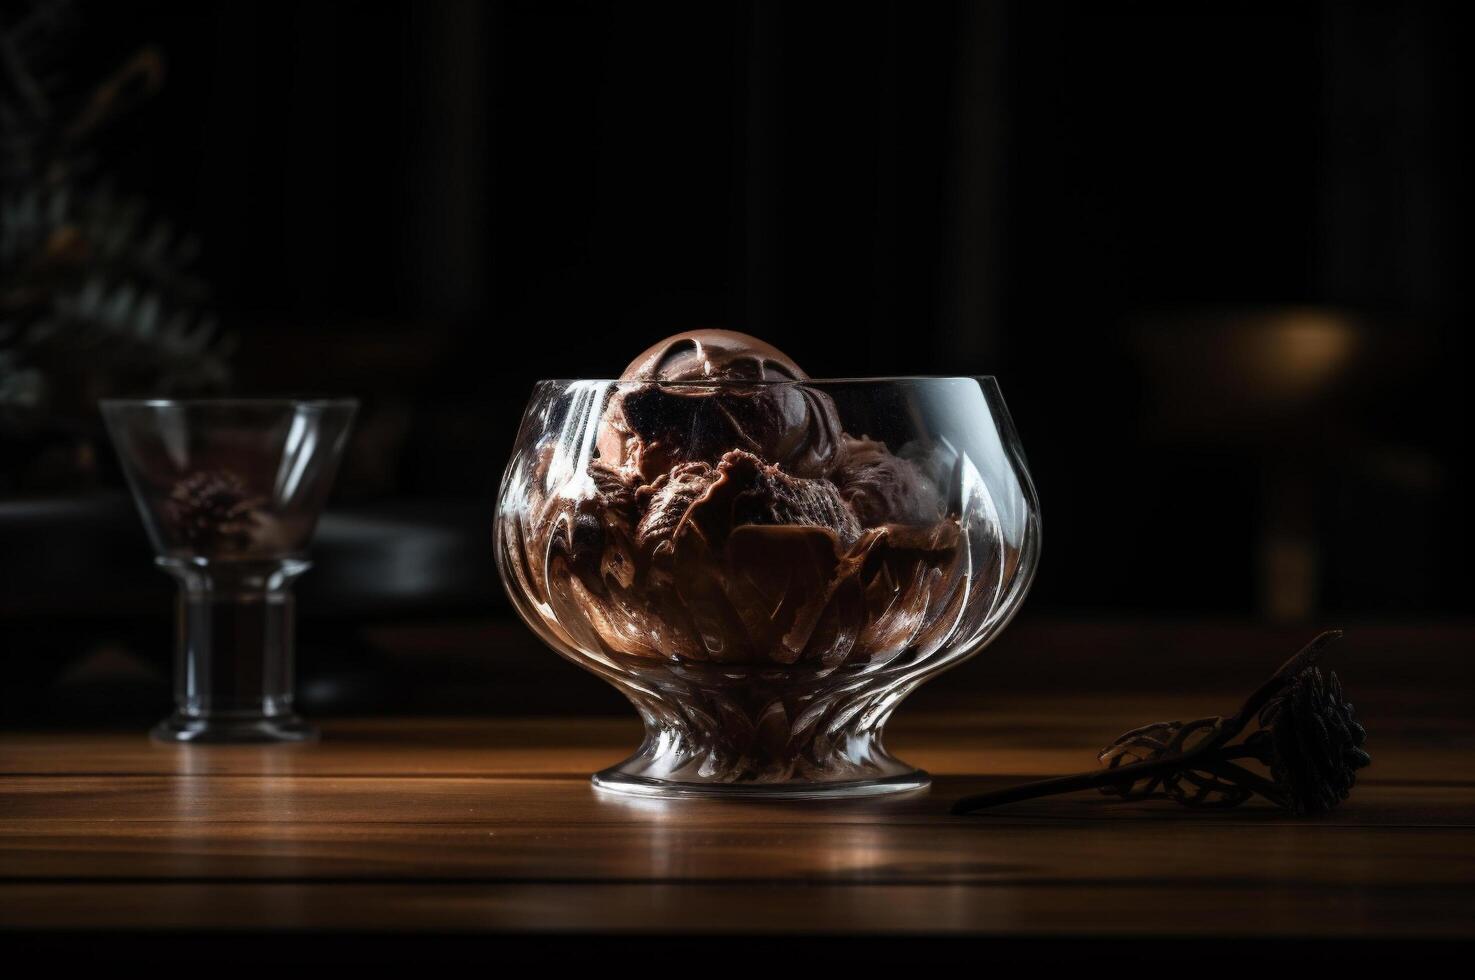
695, 409
712, 355
727, 519
885, 489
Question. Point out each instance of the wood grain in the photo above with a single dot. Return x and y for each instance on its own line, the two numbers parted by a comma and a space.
491, 826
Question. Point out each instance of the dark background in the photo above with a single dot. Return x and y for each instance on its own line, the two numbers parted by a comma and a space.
1216, 253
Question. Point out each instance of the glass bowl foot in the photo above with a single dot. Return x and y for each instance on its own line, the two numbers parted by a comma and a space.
612, 780
240, 731
681, 758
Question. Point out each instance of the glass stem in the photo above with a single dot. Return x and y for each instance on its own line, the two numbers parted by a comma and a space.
234, 642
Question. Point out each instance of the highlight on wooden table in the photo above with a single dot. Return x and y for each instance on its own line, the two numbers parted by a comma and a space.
390, 830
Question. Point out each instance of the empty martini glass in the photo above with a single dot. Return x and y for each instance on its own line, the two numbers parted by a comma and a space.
230, 491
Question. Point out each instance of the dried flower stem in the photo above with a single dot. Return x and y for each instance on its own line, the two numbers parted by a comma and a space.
1212, 754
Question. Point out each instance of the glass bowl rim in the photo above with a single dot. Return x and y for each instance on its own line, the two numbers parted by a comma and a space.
770, 382
248, 402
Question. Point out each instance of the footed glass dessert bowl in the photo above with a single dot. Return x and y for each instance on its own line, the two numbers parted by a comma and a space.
766, 566
230, 491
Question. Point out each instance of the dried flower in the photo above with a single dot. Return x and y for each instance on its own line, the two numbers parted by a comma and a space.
212, 511
1308, 739
1311, 742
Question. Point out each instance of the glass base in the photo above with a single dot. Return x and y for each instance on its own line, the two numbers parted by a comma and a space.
612, 780
760, 738
239, 731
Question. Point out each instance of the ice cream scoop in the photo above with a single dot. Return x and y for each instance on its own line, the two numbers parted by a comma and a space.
683, 415
883, 488
699, 355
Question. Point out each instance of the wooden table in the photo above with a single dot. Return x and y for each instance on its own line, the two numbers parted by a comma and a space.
478, 830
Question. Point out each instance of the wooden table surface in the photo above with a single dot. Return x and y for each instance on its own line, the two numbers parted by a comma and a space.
481, 827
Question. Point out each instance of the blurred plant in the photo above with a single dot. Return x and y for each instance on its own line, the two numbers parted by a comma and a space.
96, 297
